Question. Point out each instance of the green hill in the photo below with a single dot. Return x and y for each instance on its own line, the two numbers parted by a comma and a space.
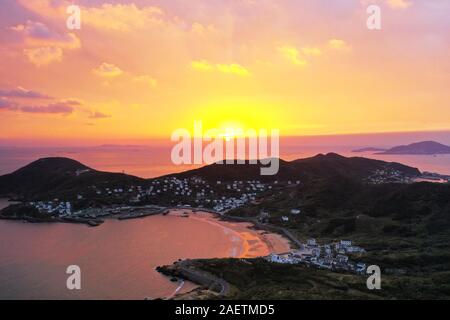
55, 177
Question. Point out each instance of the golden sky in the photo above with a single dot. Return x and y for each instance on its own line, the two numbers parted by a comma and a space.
141, 69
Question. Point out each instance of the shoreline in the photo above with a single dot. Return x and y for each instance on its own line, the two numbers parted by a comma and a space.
255, 240
273, 243
208, 286
220, 219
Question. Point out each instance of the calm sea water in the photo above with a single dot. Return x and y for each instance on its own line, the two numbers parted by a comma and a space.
154, 161
117, 259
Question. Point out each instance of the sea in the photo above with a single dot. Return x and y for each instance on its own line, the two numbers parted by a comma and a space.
149, 161
117, 260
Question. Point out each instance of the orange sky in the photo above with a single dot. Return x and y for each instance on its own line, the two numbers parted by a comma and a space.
141, 69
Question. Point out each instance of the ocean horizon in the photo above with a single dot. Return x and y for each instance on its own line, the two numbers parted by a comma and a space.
151, 161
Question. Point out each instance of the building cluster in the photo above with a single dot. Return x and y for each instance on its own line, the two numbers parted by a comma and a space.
433, 177
264, 216
55, 207
220, 196
332, 256
388, 176
395, 176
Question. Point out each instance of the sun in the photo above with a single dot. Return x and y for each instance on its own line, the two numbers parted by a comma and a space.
231, 130
229, 134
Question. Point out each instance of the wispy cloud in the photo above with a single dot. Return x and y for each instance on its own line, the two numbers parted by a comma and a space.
312, 51
399, 4
52, 108
146, 80
293, 55
20, 92
38, 34
12, 100
99, 115
5, 103
232, 68
42, 44
121, 17
202, 65
43, 56
108, 70
339, 45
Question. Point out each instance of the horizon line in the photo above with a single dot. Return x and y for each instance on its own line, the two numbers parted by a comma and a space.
133, 142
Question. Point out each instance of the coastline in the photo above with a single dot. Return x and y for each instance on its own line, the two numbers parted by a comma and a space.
274, 240
255, 242
246, 240
251, 235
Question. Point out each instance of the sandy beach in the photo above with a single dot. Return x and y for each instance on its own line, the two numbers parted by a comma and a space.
247, 242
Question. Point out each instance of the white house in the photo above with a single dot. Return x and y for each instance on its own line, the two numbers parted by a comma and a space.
346, 243
279, 259
316, 252
342, 258
360, 267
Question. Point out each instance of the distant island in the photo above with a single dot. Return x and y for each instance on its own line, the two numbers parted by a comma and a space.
418, 148
369, 149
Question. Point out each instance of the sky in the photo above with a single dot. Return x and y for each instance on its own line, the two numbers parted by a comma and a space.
141, 69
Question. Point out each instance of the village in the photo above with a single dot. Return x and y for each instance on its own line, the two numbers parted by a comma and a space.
219, 196
395, 176
332, 256
97, 201
389, 176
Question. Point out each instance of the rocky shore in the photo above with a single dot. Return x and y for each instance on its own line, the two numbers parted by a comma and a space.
210, 285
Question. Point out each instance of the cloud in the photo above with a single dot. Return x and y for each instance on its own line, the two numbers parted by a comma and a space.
293, 55
5, 103
20, 92
52, 108
202, 65
121, 17
232, 68
99, 115
339, 45
72, 102
311, 51
33, 29
399, 4
202, 30
43, 56
8, 102
35, 33
43, 45
108, 70
147, 80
